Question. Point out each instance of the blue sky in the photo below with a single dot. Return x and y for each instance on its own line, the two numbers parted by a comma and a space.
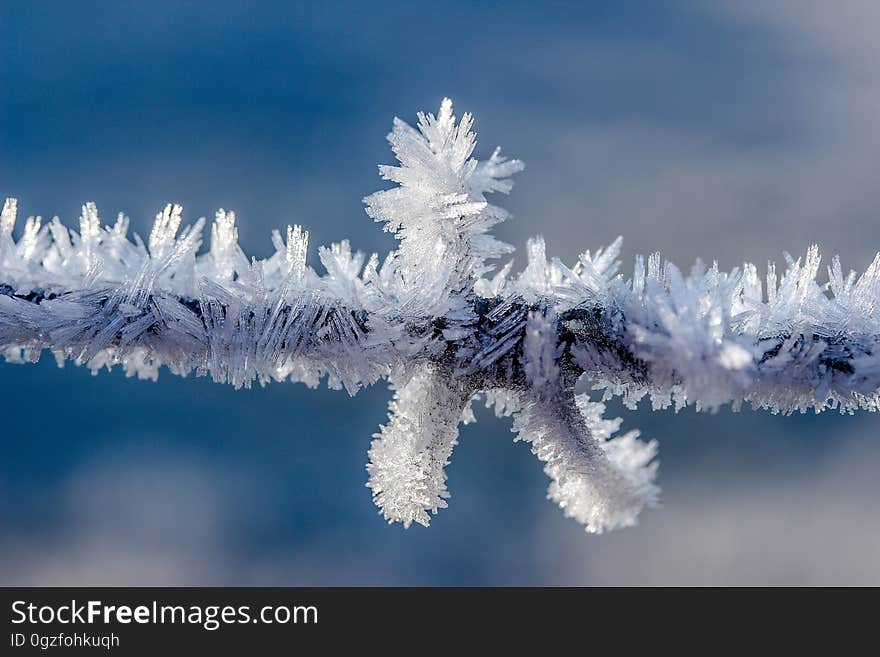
698, 129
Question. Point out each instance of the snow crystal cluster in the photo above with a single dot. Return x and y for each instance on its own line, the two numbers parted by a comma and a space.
443, 328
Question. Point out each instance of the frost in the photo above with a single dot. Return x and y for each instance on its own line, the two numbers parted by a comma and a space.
437, 320
409, 454
439, 211
601, 482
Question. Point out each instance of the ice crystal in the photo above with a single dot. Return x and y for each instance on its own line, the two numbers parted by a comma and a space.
437, 321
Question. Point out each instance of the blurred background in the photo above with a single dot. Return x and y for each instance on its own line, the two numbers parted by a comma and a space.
728, 131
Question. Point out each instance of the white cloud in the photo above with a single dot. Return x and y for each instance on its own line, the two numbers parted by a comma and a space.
817, 526
780, 151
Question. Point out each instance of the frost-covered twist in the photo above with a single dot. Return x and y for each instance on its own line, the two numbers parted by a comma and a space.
442, 332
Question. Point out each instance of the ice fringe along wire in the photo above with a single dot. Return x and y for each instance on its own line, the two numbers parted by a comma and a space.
443, 328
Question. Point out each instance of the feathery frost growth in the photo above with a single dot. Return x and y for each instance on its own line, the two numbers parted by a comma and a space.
444, 328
